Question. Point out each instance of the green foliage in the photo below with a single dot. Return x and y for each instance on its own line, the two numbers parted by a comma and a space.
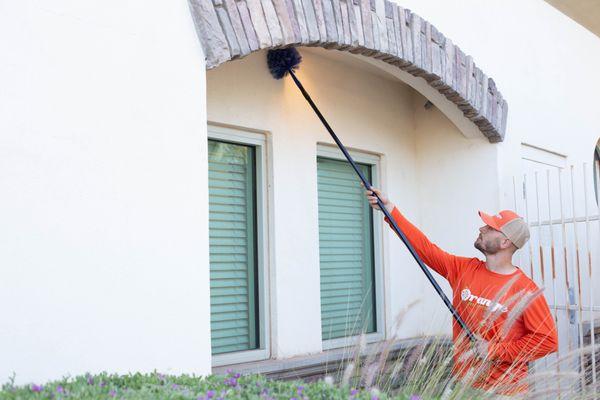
184, 387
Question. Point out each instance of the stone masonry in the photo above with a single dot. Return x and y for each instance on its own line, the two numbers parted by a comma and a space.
230, 29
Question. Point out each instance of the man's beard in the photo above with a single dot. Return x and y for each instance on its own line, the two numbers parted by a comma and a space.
478, 246
486, 249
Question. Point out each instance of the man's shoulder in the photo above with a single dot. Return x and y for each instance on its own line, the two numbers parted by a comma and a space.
474, 261
524, 282
468, 265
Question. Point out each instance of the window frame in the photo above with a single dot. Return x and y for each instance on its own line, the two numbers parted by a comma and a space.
330, 151
542, 156
259, 141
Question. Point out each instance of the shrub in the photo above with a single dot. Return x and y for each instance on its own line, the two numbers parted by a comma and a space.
184, 387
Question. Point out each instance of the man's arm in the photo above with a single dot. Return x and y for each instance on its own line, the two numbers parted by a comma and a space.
440, 261
540, 340
443, 263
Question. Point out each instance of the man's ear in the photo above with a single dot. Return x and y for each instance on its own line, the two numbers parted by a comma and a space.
506, 243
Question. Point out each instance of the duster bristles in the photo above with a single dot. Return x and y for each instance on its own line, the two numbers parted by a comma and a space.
281, 61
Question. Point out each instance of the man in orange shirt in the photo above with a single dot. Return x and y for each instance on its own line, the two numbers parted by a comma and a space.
498, 302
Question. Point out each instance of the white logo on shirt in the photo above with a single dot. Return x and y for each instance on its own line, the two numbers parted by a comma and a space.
466, 295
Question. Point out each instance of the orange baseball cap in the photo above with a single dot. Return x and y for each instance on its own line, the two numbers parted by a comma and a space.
509, 223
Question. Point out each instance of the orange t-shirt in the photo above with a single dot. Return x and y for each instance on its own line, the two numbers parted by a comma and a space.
508, 311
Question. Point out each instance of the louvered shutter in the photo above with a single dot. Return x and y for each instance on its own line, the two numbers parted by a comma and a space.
232, 224
346, 251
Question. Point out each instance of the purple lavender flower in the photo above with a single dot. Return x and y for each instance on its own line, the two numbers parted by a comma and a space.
237, 375
293, 398
415, 397
112, 393
102, 384
210, 394
231, 382
300, 389
175, 386
353, 392
37, 388
60, 389
374, 397
90, 380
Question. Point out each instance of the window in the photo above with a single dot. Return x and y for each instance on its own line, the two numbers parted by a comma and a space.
347, 251
236, 245
535, 158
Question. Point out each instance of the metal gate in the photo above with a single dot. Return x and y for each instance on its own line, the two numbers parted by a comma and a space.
563, 257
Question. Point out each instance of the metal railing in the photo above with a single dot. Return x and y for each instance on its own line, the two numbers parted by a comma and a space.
561, 208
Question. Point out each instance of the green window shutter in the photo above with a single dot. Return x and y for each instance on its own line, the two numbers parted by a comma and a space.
346, 251
232, 238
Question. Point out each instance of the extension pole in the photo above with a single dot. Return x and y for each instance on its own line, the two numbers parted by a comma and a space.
367, 185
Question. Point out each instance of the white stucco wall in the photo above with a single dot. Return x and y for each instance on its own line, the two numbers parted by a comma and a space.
544, 64
457, 177
103, 199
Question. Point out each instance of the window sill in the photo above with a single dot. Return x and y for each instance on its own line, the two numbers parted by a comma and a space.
315, 366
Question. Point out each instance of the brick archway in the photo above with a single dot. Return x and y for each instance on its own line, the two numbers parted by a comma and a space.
230, 29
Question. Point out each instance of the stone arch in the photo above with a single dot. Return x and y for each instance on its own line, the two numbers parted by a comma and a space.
380, 29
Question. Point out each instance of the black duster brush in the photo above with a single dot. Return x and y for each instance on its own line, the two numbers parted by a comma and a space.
284, 61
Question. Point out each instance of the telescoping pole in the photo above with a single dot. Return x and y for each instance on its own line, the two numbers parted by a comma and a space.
367, 185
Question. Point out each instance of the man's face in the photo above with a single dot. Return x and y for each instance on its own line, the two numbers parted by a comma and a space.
489, 241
